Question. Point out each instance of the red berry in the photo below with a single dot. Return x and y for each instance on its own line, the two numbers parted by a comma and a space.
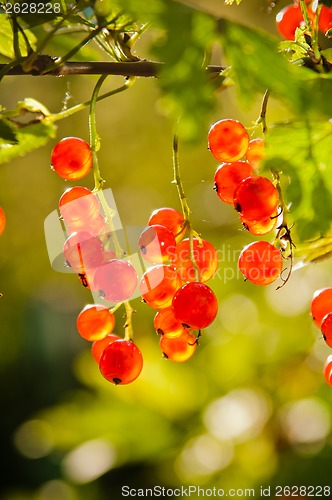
99, 346
228, 176
158, 285
78, 203
165, 323
326, 328
71, 158
228, 140
121, 362
195, 304
288, 19
205, 256
179, 349
116, 280
260, 227
83, 251
256, 198
325, 19
94, 322
157, 244
256, 152
328, 370
169, 218
260, 262
321, 304
96, 225
2, 220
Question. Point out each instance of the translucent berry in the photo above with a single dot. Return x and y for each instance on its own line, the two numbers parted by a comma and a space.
260, 227
78, 203
95, 225
179, 349
256, 198
99, 346
169, 218
121, 362
71, 158
157, 244
260, 262
94, 322
2, 220
83, 251
195, 304
325, 19
165, 323
321, 304
288, 20
256, 152
158, 285
205, 256
116, 280
326, 328
328, 370
228, 140
228, 176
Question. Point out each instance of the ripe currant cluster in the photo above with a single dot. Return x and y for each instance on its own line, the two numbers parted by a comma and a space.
88, 251
291, 17
321, 313
174, 285
254, 197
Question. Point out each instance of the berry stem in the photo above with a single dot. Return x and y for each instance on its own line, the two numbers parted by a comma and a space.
128, 327
94, 137
184, 204
262, 115
79, 107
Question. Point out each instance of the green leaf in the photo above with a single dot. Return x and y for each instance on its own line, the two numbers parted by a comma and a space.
6, 39
27, 127
302, 152
186, 90
257, 64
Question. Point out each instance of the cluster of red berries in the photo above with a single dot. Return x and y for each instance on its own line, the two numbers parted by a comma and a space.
87, 250
174, 285
321, 313
254, 197
290, 18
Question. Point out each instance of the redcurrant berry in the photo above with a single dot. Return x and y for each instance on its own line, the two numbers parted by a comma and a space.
260, 227
195, 304
83, 251
116, 280
228, 176
158, 285
260, 262
2, 220
256, 152
228, 140
78, 203
157, 244
71, 158
121, 362
325, 19
205, 256
321, 304
169, 218
94, 322
179, 349
326, 328
96, 225
328, 370
99, 346
288, 19
256, 198
165, 323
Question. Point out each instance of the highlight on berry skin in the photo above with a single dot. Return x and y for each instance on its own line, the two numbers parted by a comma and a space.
321, 304
228, 140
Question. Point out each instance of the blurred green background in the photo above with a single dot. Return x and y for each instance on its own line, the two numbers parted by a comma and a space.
250, 409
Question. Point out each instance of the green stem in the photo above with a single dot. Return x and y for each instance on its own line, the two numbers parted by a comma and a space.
184, 205
128, 327
83, 105
312, 29
94, 137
